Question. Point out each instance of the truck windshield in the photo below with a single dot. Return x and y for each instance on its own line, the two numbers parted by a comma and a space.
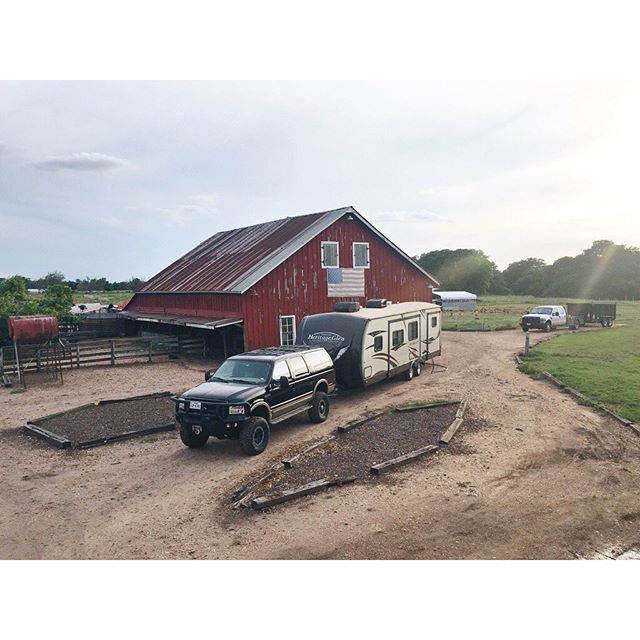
243, 371
546, 311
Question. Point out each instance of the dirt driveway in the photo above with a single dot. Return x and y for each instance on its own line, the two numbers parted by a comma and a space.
544, 478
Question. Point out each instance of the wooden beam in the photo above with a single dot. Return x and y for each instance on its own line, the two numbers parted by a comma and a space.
461, 409
262, 502
444, 403
379, 468
289, 462
451, 431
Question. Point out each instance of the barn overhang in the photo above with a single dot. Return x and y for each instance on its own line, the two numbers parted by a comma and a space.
193, 322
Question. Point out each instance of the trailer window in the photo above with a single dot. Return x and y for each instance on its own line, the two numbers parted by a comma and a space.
287, 330
298, 367
413, 331
397, 338
330, 252
434, 321
377, 343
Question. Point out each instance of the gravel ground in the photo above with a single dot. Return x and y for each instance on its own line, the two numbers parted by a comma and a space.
351, 454
112, 419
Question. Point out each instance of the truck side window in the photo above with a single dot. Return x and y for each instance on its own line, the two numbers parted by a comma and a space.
434, 321
280, 368
298, 367
377, 344
413, 331
397, 337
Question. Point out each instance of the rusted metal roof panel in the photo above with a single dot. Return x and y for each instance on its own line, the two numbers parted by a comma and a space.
233, 261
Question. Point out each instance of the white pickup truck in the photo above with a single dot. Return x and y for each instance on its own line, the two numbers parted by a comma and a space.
545, 318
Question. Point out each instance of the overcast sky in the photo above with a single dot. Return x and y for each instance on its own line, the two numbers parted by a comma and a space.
119, 179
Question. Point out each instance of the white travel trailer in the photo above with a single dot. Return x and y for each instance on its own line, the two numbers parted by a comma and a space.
377, 342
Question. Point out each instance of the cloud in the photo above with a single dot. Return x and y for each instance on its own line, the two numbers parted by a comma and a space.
195, 207
83, 161
408, 216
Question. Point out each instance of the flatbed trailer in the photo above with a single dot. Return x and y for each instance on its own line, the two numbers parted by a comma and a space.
580, 313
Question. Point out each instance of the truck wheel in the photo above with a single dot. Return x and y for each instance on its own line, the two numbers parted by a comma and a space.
193, 439
408, 374
319, 411
525, 328
254, 436
547, 327
417, 368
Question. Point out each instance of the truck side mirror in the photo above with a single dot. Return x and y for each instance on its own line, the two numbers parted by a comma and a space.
207, 375
284, 382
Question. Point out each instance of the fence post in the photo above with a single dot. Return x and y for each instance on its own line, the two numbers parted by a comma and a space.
77, 355
38, 362
150, 348
113, 352
1, 362
526, 344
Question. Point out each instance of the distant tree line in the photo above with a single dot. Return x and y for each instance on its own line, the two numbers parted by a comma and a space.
603, 271
84, 284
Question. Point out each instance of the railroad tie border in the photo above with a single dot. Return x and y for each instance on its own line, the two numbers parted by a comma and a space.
288, 464
418, 407
445, 438
381, 467
262, 502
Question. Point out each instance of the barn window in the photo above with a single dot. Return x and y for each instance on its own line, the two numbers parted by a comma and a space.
377, 343
413, 331
287, 330
330, 254
397, 338
360, 255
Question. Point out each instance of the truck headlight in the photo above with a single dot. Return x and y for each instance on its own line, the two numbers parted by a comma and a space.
236, 410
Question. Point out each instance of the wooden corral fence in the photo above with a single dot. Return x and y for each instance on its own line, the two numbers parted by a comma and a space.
103, 352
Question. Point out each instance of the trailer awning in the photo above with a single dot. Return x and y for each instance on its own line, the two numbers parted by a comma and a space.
195, 322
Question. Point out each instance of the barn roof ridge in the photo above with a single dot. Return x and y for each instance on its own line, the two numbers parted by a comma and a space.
233, 261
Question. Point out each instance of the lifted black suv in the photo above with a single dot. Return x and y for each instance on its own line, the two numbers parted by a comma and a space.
251, 391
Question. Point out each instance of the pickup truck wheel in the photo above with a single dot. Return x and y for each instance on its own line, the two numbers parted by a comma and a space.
547, 326
525, 328
417, 368
319, 411
254, 436
193, 436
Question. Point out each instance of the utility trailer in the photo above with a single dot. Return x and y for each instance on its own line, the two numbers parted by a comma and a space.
580, 313
380, 341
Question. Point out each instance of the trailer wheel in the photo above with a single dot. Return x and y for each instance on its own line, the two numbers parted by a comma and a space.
408, 374
417, 368
193, 436
319, 411
547, 326
254, 436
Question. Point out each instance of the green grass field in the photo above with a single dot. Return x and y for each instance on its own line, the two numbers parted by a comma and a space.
103, 297
603, 364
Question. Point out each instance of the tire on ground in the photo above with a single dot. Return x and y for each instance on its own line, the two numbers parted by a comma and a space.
319, 407
547, 326
254, 436
417, 368
408, 374
191, 439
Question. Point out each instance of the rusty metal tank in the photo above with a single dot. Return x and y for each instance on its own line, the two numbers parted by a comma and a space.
33, 329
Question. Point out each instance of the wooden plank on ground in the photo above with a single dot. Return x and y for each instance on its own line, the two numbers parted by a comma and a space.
52, 438
461, 409
352, 425
379, 468
451, 431
263, 502
444, 403
289, 462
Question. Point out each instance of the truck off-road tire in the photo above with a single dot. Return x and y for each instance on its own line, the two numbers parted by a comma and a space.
254, 436
417, 368
408, 374
191, 439
525, 328
547, 327
319, 411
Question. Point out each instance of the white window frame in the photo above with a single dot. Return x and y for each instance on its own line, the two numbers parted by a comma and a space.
293, 323
353, 255
331, 266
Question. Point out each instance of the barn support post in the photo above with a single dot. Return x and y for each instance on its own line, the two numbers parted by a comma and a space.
150, 349
113, 352
224, 343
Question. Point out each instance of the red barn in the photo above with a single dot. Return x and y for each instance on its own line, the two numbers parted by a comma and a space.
257, 283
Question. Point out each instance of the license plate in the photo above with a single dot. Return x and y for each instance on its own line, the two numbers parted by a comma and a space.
195, 404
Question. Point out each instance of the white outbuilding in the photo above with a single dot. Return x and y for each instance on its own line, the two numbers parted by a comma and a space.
455, 300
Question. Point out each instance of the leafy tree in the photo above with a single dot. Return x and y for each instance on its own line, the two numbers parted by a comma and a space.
460, 269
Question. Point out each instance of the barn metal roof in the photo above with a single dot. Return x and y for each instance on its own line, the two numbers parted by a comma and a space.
197, 322
233, 261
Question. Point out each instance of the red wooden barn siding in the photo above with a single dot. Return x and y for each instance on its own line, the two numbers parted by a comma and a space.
299, 285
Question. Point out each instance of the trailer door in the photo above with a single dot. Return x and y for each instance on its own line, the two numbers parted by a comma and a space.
398, 346
433, 333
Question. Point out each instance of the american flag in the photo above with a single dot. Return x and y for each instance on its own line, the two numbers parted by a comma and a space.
345, 282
